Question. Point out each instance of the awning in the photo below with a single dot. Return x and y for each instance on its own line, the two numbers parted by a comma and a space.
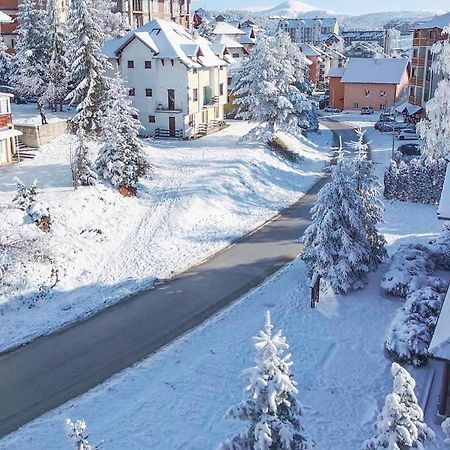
409, 107
6, 134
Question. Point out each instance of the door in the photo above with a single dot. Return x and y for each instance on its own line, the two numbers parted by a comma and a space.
172, 126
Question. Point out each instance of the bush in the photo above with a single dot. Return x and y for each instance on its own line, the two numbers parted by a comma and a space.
25, 196
412, 329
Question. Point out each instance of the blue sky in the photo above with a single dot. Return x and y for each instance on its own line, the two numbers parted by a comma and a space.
341, 6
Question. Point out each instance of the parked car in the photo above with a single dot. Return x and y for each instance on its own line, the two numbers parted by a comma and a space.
409, 149
365, 110
384, 117
330, 109
398, 126
384, 126
407, 133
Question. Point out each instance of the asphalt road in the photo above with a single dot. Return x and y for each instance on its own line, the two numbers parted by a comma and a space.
53, 369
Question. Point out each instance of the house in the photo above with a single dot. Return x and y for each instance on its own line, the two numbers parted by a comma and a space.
384, 38
423, 81
177, 82
375, 82
309, 30
8, 134
337, 88
365, 50
139, 12
320, 63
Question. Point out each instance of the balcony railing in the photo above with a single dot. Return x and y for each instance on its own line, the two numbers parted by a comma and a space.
163, 133
415, 81
166, 109
418, 62
414, 100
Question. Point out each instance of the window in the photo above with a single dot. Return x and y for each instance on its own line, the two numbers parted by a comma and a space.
131, 64
148, 64
356, 105
194, 70
221, 89
195, 95
235, 55
382, 93
149, 92
191, 120
172, 62
132, 92
367, 93
171, 99
151, 119
382, 107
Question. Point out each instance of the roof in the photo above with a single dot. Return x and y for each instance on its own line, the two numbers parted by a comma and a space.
168, 40
228, 41
440, 343
444, 204
226, 28
336, 72
437, 22
367, 34
309, 23
246, 39
375, 70
409, 108
4, 18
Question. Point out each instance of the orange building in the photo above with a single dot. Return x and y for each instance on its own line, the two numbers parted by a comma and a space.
336, 87
8, 30
374, 82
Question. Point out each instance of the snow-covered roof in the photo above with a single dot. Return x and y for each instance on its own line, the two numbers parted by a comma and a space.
364, 34
440, 344
168, 40
4, 18
246, 39
6, 134
308, 23
375, 70
444, 204
437, 22
409, 107
336, 72
229, 41
226, 28
309, 50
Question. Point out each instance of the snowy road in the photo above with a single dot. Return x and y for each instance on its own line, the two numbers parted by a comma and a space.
53, 369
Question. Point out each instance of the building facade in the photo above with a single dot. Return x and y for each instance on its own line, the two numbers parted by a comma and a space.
309, 30
423, 81
8, 30
177, 82
383, 38
8, 134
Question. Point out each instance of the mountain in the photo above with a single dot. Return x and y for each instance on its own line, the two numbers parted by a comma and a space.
379, 20
296, 8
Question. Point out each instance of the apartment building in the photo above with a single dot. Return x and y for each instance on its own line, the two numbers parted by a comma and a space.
177, 82
139, 12
311, 31
383, 38
423, 81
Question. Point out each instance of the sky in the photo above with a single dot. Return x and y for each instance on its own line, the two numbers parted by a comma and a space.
341, 6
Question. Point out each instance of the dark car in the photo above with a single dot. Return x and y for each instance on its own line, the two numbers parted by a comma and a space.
384, 126
366, 110
409, 149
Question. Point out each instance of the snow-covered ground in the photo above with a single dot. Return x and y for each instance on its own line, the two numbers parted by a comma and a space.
176, 398
28, 114
199, 197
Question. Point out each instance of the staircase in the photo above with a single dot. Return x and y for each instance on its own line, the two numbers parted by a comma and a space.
24, 152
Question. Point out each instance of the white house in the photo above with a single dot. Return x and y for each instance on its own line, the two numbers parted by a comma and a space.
8, 134
177, 82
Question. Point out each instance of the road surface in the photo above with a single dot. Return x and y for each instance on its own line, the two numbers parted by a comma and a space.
53, 369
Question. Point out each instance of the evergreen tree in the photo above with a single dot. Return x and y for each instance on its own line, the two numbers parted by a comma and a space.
267, 89
121, 160
78, 434
336, 243
87, 82
33, 50
56, 89
368, 188
390, 181
81, 166
435, 128
113, 24
445, 425
5, 64
271, 407
403, 191
400, 424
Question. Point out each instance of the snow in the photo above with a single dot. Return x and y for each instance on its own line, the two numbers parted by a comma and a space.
444, 204
375, 70
200, 196
28, 114
4, 18
296, 8
336, 72
226, 28
440, 343
176, 399
437, 22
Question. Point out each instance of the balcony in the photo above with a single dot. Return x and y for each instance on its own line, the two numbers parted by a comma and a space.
420, 62
414, 100
5, 120
415, 81
168, 109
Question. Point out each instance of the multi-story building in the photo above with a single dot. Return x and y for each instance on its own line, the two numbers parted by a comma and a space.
309, 31
139, 12
8, 134
384, 38
423, 81
177, 82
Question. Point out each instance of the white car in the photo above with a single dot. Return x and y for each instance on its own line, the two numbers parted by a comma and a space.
407, 133
330, 109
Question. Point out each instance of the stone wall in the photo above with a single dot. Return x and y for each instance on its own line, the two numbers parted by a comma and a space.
38, 135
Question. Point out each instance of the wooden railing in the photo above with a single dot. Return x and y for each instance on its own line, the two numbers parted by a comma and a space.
418, 62
414, 81
163, 133
414, 100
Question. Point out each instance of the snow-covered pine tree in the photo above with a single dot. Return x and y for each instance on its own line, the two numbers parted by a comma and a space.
56, 89
421, 180
121, 159
435, 128
266, 90
403, 182
87, 82
390, 181
5, 64
80, 164
33, 49
445, 425
113, 24
78, 434
336, 243
271, 407
25, 196
400, 424
368, 188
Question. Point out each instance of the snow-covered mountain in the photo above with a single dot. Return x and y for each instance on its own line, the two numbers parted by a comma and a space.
296, 8
379, 20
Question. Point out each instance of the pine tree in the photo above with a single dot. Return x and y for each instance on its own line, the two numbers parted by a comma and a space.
33, 50
400, 424
403, 182
271, 408
390, 181
336, 244
113, 24
81, 166
368, 188
5, 64
121, 160
56, 89
87, 82
435, 128
268, 92
78, 434
445, 425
